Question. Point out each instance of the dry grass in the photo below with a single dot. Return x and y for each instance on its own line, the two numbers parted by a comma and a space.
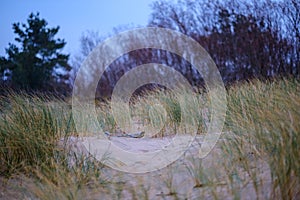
264, 118
260, 156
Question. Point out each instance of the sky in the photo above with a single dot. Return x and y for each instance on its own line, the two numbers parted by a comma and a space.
73, 16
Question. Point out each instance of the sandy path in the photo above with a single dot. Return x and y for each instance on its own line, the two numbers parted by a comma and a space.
176, 177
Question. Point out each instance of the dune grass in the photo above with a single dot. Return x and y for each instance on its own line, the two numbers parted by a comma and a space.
263, 141
29, 129
264, 119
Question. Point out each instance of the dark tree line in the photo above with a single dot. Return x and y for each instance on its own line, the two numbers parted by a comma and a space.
246, 39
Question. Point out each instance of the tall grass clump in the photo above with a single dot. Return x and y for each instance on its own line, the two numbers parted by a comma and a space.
30, 126
34, 141
264, 119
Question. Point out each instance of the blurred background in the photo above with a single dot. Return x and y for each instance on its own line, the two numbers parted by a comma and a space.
43, 43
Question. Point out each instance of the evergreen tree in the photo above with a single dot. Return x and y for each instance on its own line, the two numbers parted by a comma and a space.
35, 64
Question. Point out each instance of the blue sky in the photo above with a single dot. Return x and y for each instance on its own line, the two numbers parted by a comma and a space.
73, 16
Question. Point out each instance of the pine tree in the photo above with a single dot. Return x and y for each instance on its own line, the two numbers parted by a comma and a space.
35, 64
